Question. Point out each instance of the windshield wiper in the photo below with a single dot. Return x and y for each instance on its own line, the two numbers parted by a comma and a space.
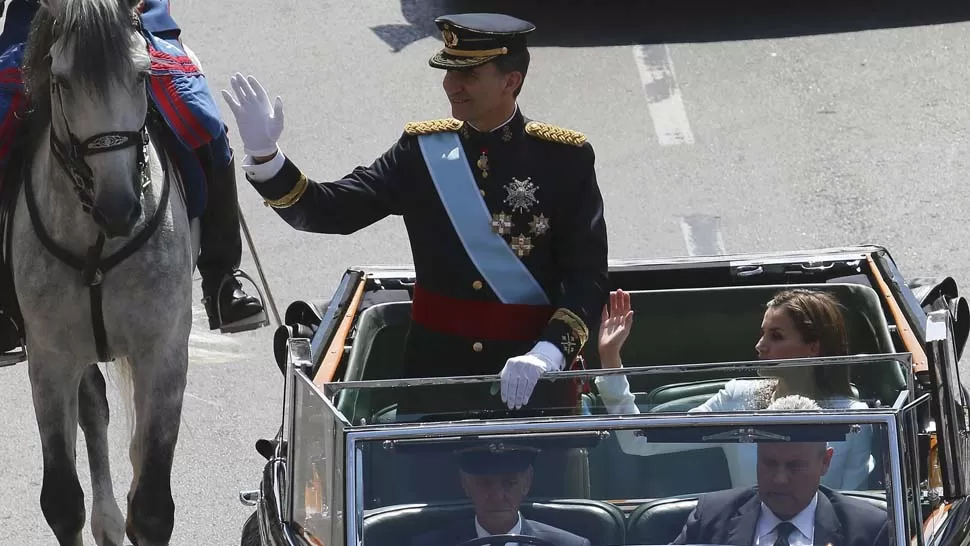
746, 435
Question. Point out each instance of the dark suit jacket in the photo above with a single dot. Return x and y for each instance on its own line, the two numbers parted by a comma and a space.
460, 531
731, 517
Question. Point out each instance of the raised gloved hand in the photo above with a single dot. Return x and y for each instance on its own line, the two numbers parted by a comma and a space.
521, 373
259, 122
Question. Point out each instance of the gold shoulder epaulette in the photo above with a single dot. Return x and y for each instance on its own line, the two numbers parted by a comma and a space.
432, 126
555, 134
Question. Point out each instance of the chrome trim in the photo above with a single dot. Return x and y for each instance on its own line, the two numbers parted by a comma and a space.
897, 486
353, 529
848, 253
586, 423
902, 358
901, 399
249, 498
885, 417
952, 408
297, 360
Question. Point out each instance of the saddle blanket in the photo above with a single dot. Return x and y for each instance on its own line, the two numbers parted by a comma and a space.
177, 88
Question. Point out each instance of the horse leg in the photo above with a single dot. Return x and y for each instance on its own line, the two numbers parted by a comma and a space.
55, 392
159, 384
107, 523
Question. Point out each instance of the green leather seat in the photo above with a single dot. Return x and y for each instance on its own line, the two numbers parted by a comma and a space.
671, 327
378, 348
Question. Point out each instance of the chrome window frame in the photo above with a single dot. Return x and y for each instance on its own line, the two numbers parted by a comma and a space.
356, 436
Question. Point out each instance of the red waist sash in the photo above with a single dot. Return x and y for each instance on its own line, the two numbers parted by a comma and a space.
479, 319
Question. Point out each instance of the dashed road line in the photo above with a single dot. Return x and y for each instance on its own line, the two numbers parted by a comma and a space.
702, 234
663, 94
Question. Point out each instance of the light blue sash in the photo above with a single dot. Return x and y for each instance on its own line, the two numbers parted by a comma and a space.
504, 272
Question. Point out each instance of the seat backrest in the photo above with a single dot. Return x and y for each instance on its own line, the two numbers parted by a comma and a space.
660, 521
377, 351
600, 522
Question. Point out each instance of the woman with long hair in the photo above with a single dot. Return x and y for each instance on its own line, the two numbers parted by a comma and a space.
798, 323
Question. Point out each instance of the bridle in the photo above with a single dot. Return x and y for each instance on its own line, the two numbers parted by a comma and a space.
70, 154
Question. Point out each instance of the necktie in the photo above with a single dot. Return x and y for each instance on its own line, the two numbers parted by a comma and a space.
784, 529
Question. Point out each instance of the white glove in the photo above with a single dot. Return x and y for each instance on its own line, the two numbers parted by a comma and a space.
521, 373
260, 123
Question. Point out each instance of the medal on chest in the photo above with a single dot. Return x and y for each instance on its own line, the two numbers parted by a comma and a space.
521, 194
483, 162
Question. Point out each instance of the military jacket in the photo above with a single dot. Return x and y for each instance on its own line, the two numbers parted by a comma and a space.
538, 182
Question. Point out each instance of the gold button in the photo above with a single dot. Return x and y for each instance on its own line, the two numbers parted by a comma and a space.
477, 285
483, 192
477, 346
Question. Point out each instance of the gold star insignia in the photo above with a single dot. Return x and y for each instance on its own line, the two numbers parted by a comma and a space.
539, 224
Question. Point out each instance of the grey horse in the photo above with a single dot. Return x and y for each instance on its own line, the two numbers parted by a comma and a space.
102, 256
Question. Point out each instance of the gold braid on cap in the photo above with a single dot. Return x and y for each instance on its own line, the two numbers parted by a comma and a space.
292, 196
555, 134
432, 126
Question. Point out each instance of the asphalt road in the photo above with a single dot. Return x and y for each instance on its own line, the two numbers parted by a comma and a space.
830, 123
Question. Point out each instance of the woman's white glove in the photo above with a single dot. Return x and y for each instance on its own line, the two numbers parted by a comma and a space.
259, 123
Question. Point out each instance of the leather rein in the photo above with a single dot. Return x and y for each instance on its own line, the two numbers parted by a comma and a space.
70, 155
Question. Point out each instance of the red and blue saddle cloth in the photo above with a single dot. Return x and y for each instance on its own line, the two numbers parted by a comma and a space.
177, 87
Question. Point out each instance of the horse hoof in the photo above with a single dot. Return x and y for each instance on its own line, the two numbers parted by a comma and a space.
252, 322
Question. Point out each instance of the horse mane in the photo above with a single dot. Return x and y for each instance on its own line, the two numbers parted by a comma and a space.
98, 32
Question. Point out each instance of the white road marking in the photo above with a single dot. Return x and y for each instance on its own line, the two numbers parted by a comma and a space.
702, 234
210, 346
200, 399
663, 94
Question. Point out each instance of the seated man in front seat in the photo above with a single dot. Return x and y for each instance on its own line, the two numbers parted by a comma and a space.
496, 481
788, 506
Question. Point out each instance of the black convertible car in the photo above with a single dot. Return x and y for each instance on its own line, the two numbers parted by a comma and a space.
345, 469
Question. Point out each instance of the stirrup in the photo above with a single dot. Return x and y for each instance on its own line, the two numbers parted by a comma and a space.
19, 354
252, 322
13, 358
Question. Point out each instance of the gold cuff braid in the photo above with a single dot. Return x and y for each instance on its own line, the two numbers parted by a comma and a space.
291, 197
574, 323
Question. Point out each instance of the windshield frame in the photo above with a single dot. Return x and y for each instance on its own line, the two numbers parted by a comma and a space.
356, 436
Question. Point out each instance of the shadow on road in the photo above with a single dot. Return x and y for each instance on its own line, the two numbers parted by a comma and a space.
591, 23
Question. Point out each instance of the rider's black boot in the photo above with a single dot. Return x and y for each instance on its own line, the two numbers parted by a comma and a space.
229, 308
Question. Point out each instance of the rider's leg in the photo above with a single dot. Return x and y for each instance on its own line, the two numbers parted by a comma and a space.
18, 15
226, 304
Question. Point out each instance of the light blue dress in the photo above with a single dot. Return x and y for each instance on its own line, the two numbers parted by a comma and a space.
848, 470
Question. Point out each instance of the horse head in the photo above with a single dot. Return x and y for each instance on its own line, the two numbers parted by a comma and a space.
95, 71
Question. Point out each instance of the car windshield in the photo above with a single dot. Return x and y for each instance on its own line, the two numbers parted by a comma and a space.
361, 472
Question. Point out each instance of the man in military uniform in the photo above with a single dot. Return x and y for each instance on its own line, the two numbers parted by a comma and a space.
504, 216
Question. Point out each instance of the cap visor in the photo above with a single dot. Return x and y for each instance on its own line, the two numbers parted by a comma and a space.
445, 61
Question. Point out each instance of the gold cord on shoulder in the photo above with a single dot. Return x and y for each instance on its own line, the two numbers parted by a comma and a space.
553, 133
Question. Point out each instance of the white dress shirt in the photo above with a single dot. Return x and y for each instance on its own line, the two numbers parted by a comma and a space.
515, 530
804, 523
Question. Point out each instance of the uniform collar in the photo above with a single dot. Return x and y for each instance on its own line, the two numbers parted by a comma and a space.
508, 131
